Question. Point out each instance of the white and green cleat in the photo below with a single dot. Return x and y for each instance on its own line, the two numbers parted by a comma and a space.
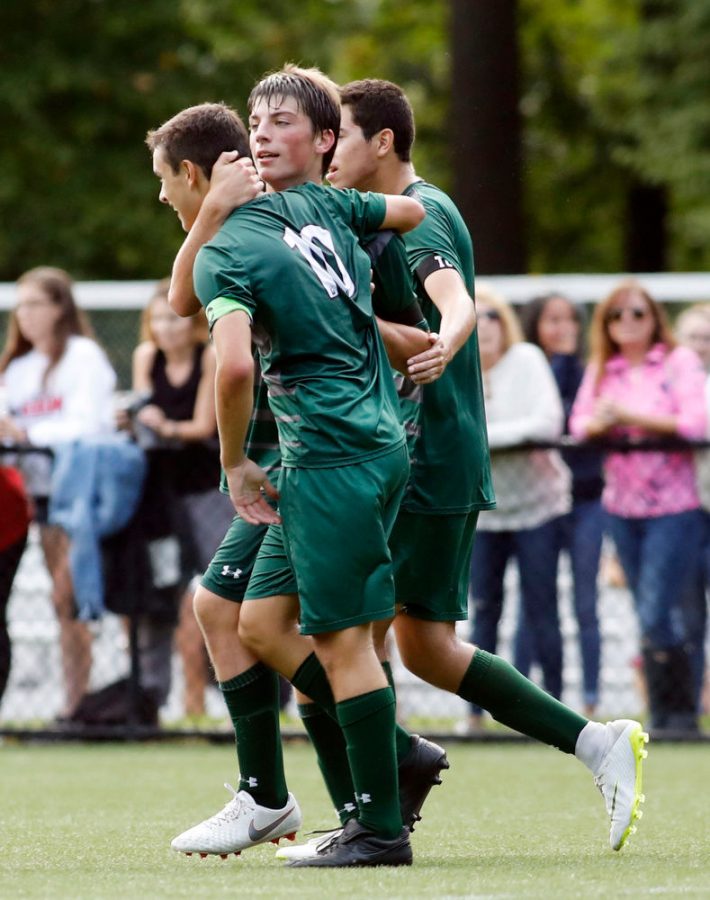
310, 848
619, 778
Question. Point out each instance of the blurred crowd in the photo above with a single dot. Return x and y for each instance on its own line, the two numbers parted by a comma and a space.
123, 487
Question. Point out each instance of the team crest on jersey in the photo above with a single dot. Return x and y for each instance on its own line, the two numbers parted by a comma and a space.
315, 244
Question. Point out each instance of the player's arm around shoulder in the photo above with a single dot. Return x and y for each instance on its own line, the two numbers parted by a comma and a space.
234, 182
447, 291
402, 213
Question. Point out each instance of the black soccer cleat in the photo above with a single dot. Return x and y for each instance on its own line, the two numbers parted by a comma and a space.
418, 773
358, 846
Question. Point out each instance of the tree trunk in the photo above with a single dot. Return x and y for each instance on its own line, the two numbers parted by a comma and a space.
486, 131
646, 228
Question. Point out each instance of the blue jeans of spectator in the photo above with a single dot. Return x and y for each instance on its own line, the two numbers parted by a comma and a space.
536, 551
659, 556
581, 535
694, 610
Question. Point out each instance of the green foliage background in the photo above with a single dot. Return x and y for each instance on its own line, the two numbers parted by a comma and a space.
612, 91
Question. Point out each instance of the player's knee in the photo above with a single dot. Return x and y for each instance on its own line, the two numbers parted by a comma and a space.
213, 613
252, 632
409, 645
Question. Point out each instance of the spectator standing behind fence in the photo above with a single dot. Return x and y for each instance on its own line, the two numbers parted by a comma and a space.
693, 330
532, 489
175, 366
14, 523
59, 387
554, 324
639, 384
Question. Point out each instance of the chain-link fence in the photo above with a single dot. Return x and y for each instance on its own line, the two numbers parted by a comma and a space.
149, 671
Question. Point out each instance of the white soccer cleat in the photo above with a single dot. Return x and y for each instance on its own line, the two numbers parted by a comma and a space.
310, 848
241, 824
619, 778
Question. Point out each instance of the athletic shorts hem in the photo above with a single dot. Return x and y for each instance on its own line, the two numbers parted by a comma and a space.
446, 510
428, 615
217, 589
351, 622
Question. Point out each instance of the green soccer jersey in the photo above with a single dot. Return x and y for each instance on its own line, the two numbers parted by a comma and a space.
291, 261
450, 462
395, 300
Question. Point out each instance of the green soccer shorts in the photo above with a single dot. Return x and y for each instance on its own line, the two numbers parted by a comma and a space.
431, 557
336, 524
231, 567
272, 575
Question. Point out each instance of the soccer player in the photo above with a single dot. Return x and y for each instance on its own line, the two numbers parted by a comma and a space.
184, 152
249, 688
432, 538
287, 264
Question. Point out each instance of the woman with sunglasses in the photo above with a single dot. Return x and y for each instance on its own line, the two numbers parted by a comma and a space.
640, 385
532, 489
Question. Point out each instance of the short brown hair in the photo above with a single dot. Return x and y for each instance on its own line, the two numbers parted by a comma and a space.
315, 94
199, 134
376, 104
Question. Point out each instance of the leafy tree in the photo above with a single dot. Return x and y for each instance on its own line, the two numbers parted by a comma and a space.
657, 98
83, 80
80, 84
575, 187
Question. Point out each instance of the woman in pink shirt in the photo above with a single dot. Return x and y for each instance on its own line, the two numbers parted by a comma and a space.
638, 385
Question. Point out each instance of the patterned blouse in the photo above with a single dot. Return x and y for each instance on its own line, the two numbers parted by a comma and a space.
642, 484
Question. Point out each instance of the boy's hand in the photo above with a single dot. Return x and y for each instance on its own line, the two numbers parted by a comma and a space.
248, 489
234, 182
428, 366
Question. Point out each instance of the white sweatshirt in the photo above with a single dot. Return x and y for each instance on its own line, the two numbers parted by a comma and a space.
75, 402
523, 404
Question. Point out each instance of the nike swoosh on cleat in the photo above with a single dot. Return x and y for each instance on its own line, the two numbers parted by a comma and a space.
256, 834
613, 803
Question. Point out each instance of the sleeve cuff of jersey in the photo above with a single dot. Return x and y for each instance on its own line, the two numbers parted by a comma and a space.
222, 306
433, 263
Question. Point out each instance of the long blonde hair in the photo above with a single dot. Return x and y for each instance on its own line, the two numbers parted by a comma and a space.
510, 324
200, 329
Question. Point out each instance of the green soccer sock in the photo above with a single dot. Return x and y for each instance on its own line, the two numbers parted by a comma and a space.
310, 679
327, 738
402, 738
368, 725
252, 699
493, 684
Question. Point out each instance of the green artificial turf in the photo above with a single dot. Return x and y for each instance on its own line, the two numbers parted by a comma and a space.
95, 821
